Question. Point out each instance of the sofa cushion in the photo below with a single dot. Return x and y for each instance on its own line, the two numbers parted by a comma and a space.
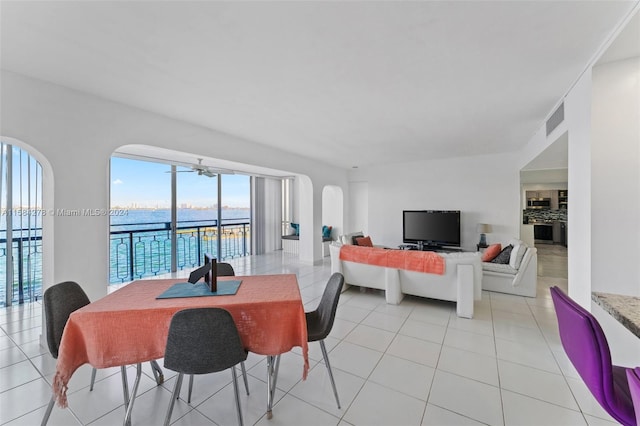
348, 239
504, 256
491, 252
296, 228
517, 254
498, 267
364, 241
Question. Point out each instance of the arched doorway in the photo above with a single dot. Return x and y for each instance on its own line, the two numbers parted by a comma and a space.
21, 224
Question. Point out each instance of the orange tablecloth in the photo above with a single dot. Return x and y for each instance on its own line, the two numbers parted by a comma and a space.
130, 325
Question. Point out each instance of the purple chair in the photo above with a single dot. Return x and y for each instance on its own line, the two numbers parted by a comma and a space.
587, 348
634, 387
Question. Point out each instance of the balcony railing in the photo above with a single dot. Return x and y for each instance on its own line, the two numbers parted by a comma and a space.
137, 250
146, 249
26, 253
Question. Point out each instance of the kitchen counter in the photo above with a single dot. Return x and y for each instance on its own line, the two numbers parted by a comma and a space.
625, 309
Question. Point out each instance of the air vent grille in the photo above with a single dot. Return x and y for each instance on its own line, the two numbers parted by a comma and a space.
556, 118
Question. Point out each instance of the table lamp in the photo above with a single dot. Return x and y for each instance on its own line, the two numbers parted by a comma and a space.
483, 229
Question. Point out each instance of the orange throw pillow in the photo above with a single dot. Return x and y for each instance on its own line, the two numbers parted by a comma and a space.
364, 241
491, 252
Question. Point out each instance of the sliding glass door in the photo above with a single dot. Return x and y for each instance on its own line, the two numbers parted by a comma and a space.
174, 215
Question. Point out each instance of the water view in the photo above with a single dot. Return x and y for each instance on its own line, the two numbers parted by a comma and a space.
141, 240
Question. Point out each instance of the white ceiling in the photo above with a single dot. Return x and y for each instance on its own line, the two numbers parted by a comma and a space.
347, 83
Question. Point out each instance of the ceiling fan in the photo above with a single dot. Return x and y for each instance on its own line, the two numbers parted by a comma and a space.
203, 170
199, 168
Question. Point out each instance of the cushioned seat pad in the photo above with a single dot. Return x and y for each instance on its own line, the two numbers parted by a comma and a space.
498, 267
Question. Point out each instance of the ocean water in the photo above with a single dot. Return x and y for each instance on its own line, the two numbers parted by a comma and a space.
32, 218
141, 216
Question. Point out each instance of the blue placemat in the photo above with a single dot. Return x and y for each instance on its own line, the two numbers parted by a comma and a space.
200, 289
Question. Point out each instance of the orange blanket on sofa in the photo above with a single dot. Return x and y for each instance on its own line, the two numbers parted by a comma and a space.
419, 261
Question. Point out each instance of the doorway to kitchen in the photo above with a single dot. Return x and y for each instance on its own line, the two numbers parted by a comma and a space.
545, 203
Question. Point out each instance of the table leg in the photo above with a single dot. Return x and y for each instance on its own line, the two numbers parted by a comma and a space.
125, 386
129, 406
273, 363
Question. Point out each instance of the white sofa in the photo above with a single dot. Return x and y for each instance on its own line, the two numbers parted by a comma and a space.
521, 281
461, 282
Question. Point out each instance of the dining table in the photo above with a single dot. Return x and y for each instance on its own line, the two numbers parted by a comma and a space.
624, 308
130, 326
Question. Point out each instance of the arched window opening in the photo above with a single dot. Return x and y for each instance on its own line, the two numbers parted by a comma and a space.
20, 226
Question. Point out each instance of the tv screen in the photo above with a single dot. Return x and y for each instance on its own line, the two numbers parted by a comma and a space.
431, 227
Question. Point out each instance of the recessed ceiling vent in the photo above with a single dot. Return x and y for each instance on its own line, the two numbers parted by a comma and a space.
556, 118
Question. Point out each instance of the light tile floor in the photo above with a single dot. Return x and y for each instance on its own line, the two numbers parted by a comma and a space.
412, 364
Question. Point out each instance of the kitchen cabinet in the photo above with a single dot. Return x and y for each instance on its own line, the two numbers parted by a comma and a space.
563, 199
557, 232
539, 194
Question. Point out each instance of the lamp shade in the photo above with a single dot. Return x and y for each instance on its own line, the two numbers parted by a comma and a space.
483, 228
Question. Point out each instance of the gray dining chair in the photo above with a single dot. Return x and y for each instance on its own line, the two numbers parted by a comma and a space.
60, 301
320, 321
202, 341
319, 325
223, 270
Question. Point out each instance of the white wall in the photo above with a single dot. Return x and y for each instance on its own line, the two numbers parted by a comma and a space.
578, 119
359, 208
615, 177
333, 209
77, 134
485, 189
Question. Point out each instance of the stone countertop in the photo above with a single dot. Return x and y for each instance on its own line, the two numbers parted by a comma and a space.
625, 309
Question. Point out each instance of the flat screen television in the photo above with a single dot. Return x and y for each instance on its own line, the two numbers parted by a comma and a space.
431, 228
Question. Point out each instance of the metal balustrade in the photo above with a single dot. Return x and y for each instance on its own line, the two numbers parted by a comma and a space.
146, 250
27, 264
143, 250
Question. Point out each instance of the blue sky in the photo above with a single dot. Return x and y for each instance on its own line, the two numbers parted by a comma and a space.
147, 184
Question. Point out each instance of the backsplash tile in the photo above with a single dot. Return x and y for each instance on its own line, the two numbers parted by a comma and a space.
532, 215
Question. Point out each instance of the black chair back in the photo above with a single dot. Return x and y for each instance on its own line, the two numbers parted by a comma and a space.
60, 301
203, 340
225, 270
320, 321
